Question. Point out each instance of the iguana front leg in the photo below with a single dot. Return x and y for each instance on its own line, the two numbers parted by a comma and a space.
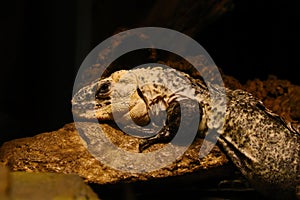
186, 108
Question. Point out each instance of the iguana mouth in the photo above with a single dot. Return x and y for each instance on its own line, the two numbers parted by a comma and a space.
90, 111
102, 103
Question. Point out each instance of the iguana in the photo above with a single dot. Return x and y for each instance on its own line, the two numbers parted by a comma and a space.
264, 147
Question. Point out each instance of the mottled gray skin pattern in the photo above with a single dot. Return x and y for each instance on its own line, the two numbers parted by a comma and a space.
263, 146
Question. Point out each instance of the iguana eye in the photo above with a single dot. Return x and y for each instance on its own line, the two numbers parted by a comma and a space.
103, 89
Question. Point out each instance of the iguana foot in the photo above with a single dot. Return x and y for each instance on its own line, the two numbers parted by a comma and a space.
189, 110
163, 136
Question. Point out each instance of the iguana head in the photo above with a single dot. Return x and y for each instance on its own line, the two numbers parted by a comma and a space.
95, 100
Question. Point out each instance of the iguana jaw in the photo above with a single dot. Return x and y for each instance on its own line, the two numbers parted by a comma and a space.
89, 111
137, 111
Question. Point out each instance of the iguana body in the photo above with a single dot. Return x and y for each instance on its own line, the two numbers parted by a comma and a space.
262, 146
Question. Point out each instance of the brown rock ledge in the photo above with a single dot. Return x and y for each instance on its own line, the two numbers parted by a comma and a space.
63, 151
30, 186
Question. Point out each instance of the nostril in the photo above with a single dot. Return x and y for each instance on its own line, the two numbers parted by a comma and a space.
76, 99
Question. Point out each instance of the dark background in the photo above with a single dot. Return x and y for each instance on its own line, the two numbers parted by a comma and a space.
44, 42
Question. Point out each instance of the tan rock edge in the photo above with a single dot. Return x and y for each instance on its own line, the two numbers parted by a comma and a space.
63, 151
31, 186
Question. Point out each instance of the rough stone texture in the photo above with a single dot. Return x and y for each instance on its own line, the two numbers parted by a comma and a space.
31, 186
4, 181
49, 186
63, 151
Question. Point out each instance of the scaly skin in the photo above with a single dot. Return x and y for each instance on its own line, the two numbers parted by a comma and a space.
262, 145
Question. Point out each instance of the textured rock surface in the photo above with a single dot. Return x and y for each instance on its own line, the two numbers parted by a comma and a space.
4, 181
21, 185
63, 151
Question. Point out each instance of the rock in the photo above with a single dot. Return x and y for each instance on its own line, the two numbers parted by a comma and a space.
4, 181
48, 186
63, 151
24, 185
